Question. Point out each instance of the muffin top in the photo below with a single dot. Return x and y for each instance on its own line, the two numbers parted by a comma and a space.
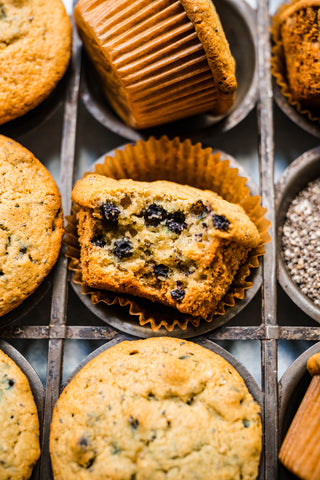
160, 408
19, 433
31, 223
35, 48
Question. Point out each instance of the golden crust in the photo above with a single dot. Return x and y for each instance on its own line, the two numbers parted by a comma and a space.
146, 407
31, 223
35, 48
184, 260
19, 433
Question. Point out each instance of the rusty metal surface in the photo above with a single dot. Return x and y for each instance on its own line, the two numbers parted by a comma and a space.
267, 327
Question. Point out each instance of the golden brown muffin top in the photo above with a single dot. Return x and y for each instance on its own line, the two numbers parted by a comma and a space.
161, 408
35, 48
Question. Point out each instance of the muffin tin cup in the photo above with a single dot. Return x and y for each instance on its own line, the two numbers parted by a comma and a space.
35, 385
292, 388
306, 119
294, 179
247, 377
28, 304
40, 114
243, 48
152, 317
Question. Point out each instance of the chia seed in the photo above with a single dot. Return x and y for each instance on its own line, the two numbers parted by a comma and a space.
301, 240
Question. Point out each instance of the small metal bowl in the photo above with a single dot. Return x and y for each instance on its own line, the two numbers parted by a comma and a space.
294, 179
238, 20
35, 385
247, 377
301, 120
119, 317
292, 388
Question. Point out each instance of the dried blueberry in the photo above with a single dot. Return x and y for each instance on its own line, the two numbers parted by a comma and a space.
176, 222
123, 248
161, 271
178, 295
155, 214
220, 222
110, 213
134, 422
200, 209
98, 241
83, 442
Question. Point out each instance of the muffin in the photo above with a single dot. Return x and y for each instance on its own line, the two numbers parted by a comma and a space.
174, 244
19, 433
300, 451
31, 224
35, 48
155, 409
296, 32
159, 62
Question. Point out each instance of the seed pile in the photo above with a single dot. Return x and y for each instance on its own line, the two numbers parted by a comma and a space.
301, 240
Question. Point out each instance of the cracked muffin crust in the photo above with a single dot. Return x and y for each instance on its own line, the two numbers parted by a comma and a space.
35, 48
19, 433
175, 244
31, 223
156, 409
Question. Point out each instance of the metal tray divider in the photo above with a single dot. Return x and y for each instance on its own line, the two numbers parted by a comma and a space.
269, 291
60, 282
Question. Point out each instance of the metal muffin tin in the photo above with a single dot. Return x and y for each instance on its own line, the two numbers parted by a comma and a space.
238, 21
267, 328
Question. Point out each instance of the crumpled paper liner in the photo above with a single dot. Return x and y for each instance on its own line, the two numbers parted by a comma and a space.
183, 163
278, 64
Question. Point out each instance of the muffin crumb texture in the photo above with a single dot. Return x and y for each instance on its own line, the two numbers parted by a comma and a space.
300, 31
31, 224
19, 433
156, 409
166, 242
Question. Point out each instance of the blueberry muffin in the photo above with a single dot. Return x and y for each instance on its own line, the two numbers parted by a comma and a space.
35, 48
31, 224
297, 30
19, 433
174, 244
156, 409
159, 61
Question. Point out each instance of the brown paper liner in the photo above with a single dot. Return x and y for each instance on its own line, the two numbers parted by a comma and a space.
278, 64
183, 163
152, 65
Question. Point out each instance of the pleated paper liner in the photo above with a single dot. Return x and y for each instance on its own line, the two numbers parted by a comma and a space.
183, 163
152, 65
242, 44
310, 120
